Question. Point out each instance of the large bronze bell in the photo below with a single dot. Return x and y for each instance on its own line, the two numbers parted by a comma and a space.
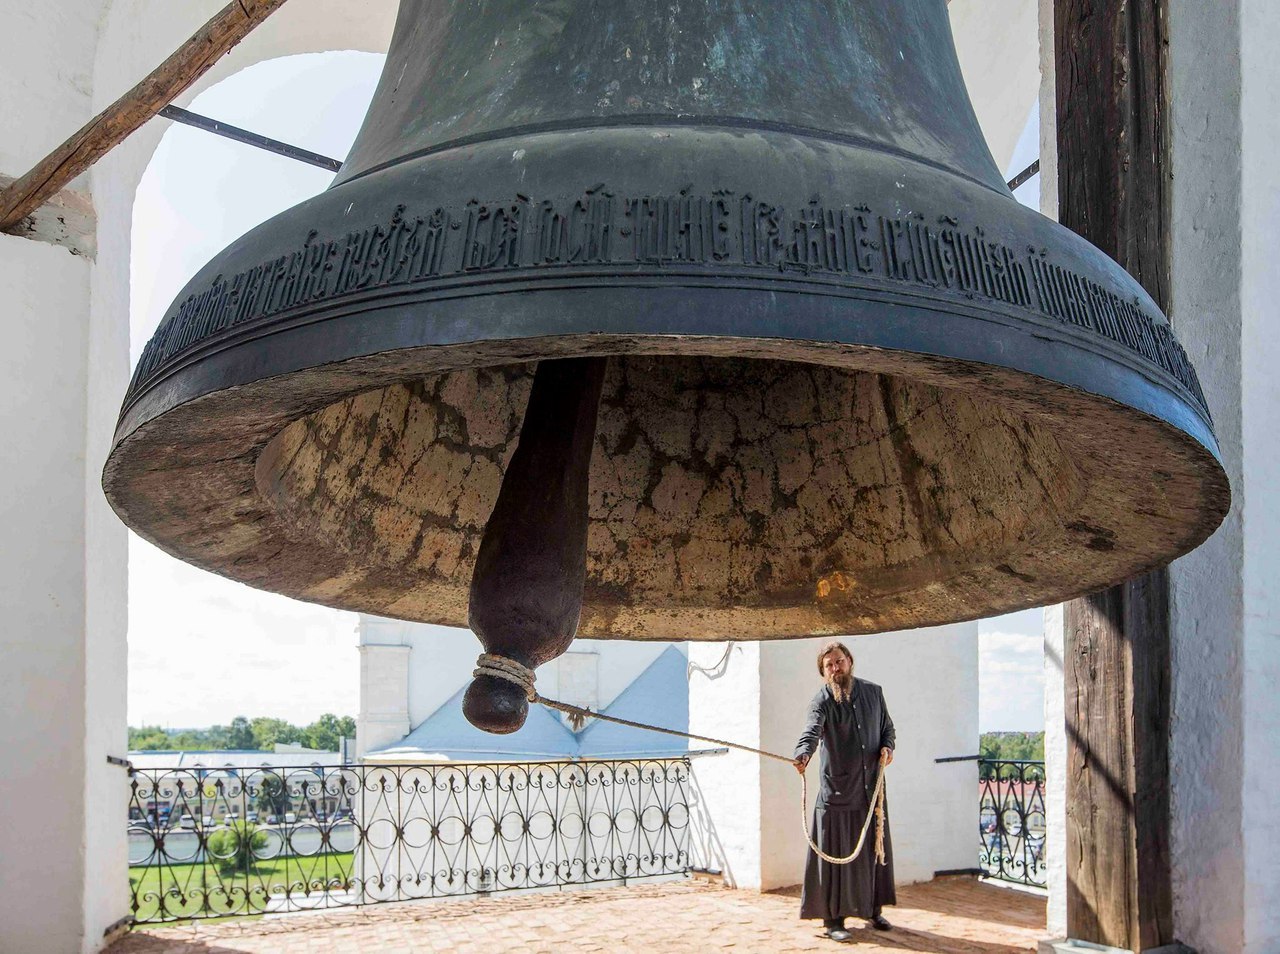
851, 384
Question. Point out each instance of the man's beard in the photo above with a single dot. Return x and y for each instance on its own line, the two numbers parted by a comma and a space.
841, 685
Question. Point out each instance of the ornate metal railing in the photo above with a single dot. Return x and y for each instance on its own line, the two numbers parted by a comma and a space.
1011, 826
231, 841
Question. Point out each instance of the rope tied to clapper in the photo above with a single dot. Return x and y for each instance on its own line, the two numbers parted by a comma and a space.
502, 667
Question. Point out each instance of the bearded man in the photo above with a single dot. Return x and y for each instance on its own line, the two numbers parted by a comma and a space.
848, 716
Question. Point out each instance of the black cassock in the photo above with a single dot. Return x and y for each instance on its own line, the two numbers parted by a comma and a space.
852, 733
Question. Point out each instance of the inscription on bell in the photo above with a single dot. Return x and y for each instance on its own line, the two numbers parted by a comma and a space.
687, 230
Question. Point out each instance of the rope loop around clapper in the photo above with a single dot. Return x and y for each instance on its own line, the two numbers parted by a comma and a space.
501, 667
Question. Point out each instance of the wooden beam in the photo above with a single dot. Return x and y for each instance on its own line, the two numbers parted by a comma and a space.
1113, 188
111, 126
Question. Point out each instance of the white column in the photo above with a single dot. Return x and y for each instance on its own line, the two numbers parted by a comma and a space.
996, 47
725, 790
384, 697
748, 809
1260, 470
62, 553
1055, 722
1055, 769
1206, 751
43, 369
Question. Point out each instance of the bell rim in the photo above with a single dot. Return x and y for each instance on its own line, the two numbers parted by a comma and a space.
1215, 490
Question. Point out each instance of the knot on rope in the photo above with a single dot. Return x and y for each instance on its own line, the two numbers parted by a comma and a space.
501, 667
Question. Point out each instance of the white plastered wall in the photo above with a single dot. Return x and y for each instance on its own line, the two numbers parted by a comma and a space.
64, 371
384, 696
996, 44
51, 553
1206, 745
1260, 415
725, 802
748, 810
1226, 702
1055, 736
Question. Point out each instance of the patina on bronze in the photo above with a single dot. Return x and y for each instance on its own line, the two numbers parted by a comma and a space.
851, 386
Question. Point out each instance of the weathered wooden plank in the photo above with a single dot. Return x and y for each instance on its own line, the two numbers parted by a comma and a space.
1146, 624
111, 126
1113, 188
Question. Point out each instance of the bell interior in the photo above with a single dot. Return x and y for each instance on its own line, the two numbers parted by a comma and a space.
720, 488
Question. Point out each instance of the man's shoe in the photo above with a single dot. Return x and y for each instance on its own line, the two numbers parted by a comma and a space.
879, 923
839, 934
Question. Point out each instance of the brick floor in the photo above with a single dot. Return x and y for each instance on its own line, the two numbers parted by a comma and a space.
946, 916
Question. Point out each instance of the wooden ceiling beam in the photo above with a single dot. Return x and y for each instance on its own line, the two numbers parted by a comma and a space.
115, 123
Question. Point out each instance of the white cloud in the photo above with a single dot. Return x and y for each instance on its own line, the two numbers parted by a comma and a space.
203, 649
1011, 672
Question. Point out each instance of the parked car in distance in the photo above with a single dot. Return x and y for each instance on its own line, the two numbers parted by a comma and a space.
271, 819
230, 817
290, 818
251, 817
206, 821
187, 821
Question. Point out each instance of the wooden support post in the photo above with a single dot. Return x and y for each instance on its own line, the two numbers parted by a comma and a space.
1113, 188
111, 126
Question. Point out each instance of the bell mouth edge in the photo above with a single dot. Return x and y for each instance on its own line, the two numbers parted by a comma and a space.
130, 505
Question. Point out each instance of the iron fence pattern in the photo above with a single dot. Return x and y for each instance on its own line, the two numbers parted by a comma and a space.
1011, 823
212, 842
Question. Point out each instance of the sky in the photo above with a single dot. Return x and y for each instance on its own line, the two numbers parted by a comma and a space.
203, 649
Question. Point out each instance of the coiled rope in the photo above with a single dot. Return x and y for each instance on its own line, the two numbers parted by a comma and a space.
501, 667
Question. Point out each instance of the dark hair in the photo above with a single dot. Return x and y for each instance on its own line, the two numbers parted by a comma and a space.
831, 647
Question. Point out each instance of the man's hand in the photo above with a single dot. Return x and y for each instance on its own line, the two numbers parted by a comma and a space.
886, 756
800, 763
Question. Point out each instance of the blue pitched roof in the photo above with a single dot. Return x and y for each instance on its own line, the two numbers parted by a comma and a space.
447, 733
662, 688
658, 696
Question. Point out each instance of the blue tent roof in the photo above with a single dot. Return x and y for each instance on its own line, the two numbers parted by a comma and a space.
662, 688
447, 733
659, 696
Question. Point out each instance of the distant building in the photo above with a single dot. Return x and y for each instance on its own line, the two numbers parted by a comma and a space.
413, 677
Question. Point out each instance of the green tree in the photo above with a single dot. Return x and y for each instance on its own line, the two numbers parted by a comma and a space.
1010, 746
267, 732
148, 737
232, 848
324, 733
240, 734
273, 796
243, 733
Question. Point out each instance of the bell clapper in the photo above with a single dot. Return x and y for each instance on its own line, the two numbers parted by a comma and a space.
526, 591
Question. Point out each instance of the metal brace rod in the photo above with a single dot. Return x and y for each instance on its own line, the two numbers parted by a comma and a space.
1024, 175
227, 131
